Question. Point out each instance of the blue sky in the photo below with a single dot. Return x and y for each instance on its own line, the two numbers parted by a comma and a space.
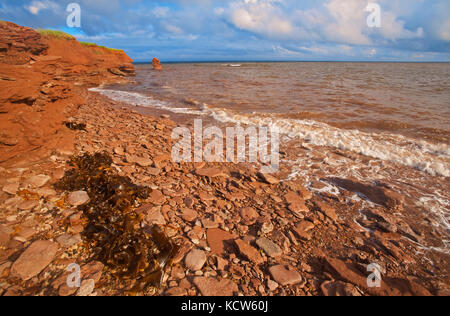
194, 30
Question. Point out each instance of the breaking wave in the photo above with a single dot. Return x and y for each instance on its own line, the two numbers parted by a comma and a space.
419, 154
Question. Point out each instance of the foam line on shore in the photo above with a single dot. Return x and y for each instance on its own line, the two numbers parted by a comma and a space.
431, 158
137, 99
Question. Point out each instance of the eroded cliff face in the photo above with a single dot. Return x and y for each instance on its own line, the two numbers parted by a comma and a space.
37, 74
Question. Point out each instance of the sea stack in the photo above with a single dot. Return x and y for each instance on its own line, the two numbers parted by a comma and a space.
157, 64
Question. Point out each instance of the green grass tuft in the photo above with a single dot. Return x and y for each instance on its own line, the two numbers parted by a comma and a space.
87, 44
55, 34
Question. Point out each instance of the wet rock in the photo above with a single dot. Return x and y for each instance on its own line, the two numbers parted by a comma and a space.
249, 252
195, 260
377, 194
269, 247
249, 215
285, 275
34, 259
78, 198
213, 287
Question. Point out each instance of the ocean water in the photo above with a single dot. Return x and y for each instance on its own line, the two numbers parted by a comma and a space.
375, 122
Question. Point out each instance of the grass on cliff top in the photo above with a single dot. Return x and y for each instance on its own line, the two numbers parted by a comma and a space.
87, 44
55, 34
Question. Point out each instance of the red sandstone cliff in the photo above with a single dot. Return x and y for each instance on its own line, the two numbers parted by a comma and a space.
37, 74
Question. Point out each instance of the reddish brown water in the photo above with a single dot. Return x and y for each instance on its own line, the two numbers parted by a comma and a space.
376, 122
409, 99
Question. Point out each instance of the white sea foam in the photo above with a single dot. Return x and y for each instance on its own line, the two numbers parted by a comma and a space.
431, 158
138, 99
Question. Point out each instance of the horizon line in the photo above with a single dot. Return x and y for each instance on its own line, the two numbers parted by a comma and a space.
290, 61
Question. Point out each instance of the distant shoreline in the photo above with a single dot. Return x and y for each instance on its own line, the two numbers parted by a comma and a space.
290, 61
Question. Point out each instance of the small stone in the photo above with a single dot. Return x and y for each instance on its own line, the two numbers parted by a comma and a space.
303, 229
338, 288
37, 181
195, 259
11, 188
269, 247
249, 252
272, 285
143, 162
26, 233
11, 218
4, 239
154, 216
156, 197
67, 240
213, 287
219, 240
86, 288
119, 151
178, 272
285, 275
269, 178
92, 270
221, 264
78, 198
249, 215
267, 227
46, 192
28, 205
34, 259
207, 223
211, 173
153, 171
328, 210
175, 291
189, 215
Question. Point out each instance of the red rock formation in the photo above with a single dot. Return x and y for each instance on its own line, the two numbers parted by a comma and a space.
37, 74
156, 64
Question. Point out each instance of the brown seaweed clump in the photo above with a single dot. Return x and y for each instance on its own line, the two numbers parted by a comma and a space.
113, 231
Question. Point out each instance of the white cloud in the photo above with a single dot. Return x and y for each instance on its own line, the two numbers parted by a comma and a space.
160, 12
174, 29
261, 17
339, 21
37, 6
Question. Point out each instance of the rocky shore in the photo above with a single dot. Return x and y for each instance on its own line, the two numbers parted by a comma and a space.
238, 232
